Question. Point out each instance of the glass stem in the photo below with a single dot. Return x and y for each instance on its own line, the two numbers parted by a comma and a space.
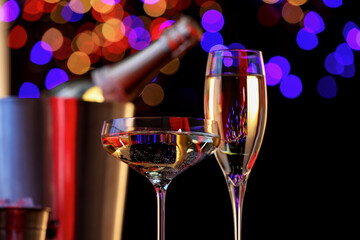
237, 192
160, 196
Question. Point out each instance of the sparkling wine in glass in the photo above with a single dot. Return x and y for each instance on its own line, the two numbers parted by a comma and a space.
160, 148
235, 96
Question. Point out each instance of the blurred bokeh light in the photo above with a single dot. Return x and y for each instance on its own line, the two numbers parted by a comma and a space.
55, 77
81, 34
291, 86
41, 53
9, 11
333, 3
29, 90
327, 87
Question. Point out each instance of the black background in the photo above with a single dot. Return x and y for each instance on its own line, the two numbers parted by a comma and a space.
303, 183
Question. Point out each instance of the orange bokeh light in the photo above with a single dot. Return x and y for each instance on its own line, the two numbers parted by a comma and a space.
297, 2
56, 16
209, 5
80, 6
79, 63
292, 14
85, 42
54, 38
155, 10
113, 30
116, 11
101, 7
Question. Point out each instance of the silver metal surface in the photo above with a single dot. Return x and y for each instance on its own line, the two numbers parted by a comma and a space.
38, 151
23, 223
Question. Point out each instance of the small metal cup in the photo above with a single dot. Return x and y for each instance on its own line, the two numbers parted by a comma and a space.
23, 223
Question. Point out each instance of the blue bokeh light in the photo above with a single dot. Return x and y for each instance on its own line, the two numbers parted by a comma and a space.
29, 90
41, 53
69, 15
210, 39
332, 65
236, 45
291, 86
9, 11
333, 3
306, 40
314, 23
348, 26
327, 87
349, 71
218, 47
55, 77
212, 21
344, 54
139, 38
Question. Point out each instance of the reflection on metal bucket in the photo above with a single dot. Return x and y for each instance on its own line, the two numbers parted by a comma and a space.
50, 150
23, 223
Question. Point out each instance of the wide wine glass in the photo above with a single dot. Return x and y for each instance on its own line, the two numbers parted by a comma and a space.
235, 96
160, 148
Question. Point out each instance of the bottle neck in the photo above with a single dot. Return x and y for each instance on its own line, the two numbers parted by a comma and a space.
124, 80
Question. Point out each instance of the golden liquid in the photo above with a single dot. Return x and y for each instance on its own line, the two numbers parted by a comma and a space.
239, 105
160, 155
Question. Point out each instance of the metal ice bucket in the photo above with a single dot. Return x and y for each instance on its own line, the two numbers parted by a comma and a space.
50, 150
23, 223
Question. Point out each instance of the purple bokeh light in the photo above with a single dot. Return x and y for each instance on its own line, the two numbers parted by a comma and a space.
283, 63
139, 38
212, 21
314, 23
166, 24
112, 2
149, 2
348, 26
69, 15
130, 22
273, 73
9, 11
353, 39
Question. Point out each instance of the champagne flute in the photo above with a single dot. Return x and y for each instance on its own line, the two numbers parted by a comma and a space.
235, 96
160, 148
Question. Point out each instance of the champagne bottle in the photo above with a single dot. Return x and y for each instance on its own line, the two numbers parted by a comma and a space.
124, 80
